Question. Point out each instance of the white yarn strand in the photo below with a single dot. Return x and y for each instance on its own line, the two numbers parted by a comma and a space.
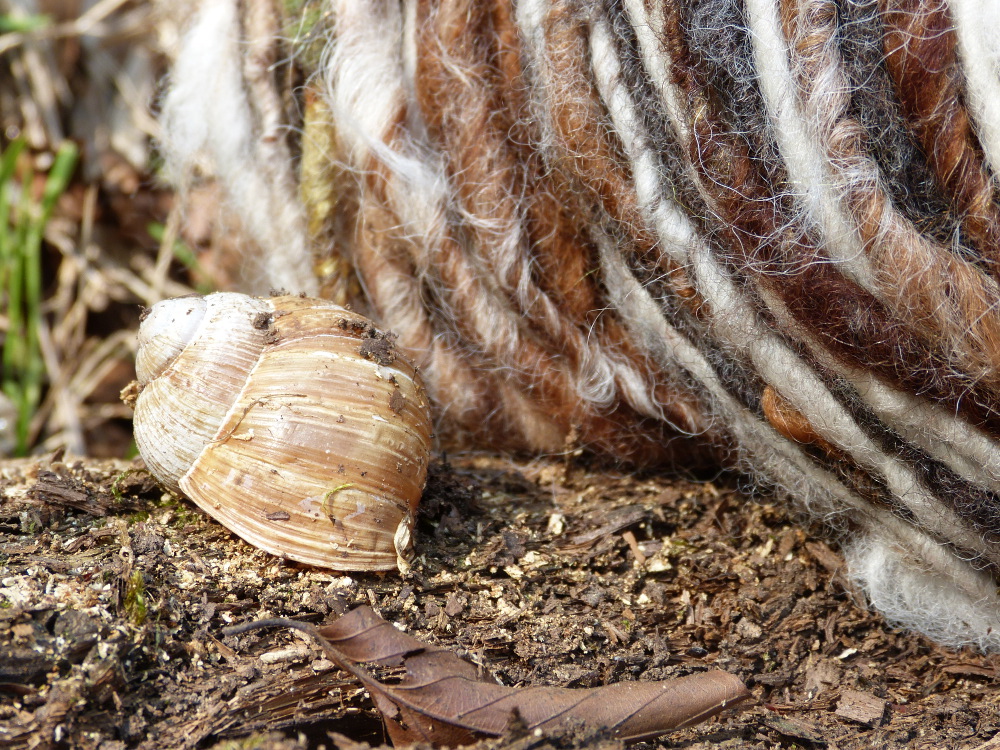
206, 89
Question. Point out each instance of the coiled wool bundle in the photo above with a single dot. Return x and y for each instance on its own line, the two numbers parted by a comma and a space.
674, 232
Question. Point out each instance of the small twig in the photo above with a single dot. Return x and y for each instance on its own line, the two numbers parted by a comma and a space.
273, 622
312, 631
165, 254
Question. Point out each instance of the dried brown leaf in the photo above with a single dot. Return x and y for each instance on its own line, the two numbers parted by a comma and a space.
443, 700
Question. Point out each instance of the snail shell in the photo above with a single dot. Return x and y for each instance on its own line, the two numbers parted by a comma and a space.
291, 421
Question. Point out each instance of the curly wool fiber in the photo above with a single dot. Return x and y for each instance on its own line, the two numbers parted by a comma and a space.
674, 232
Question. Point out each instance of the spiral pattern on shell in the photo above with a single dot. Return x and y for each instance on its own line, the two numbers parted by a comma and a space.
292, 421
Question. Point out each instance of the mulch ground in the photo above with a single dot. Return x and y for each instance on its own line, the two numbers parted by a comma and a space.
113, 597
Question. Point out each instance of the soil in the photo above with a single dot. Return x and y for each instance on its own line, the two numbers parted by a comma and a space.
113, 597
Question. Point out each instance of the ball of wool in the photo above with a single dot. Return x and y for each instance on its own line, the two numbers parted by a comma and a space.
762, 233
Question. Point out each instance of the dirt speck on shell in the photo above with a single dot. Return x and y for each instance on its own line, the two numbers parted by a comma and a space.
378, 347
113, 596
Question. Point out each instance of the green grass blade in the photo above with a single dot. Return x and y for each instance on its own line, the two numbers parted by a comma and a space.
13, 345
8, 162
10, 24
23, 364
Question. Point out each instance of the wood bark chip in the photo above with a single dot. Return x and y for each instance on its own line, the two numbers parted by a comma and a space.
862, 708
616, 520
443, 700
64, 490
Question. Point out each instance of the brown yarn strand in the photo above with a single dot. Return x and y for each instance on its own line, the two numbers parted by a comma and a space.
920, 52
